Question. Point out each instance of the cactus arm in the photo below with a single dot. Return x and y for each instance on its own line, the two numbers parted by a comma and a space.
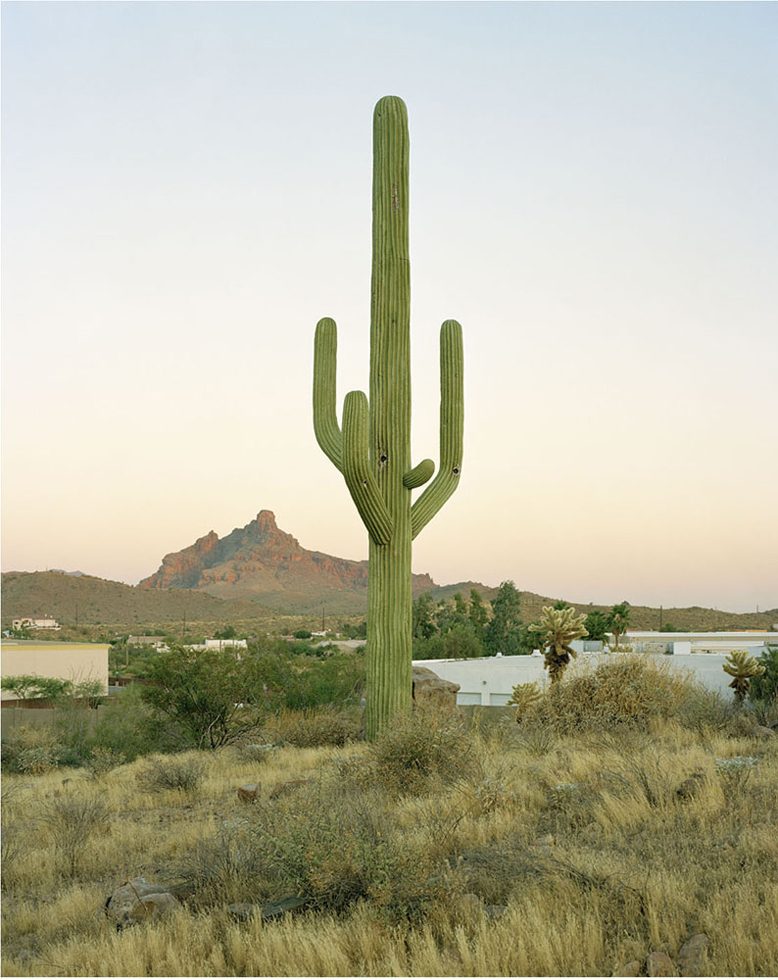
325, 420
451, 428
360, 481
419, 475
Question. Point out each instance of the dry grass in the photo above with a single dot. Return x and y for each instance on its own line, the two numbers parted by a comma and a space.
596, 857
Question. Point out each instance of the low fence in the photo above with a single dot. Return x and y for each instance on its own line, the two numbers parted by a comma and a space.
12, 718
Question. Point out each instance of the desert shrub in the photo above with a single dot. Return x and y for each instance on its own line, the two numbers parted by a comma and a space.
102, 761
306, 729
424, 745
494, 869
12, 836
704, 711
626, 692
125, 726
329, 846
69, 822
160, 773
31, 749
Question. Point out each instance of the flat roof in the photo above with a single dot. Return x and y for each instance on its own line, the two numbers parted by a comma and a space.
51, 644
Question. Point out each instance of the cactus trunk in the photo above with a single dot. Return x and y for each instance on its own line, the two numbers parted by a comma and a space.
373, 450
389, 613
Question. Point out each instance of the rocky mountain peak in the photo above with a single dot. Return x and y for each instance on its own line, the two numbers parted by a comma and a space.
261, 559
266, 521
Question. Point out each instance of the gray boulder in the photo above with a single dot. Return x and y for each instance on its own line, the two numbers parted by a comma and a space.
693, 955
138, 900
659, 964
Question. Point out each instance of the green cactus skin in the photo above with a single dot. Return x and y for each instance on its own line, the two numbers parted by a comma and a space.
373, 448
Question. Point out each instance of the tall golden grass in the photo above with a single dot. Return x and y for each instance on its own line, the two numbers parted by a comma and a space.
582, 836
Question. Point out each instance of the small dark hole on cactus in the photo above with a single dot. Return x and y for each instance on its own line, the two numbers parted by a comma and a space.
383, 458
364, 483
456, 471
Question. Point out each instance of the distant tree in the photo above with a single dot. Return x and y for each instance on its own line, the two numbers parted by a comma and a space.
302, 634
424, 625
503, 633
228, 633
618, 620
742, 668
597, 624
354, 631
561, 604
559, 628
32, 687
452, 615
478, 614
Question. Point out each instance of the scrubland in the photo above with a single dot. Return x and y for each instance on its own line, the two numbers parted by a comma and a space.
623, 814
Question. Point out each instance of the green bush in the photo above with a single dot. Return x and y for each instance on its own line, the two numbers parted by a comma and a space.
125, 727
336, 680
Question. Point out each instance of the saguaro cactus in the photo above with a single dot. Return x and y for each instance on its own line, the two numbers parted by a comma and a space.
372, 450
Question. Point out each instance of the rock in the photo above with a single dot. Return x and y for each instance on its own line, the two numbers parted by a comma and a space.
137, 900
272, 910
495, 911
691, 786
432, 691
693, 955
283, 788
631, 969
151, 907
248, 792
659, 964
762, 731
242, 911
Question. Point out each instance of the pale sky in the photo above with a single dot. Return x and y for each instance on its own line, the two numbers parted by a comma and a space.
186, 191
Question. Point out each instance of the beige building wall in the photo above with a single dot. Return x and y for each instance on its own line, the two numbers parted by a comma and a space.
66, 661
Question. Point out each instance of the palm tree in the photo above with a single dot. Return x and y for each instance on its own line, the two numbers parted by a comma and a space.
618, 619
558, 628
742, 667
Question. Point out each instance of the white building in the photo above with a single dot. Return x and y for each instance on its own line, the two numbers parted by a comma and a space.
490, 680
219, 645
33, 623
76, 662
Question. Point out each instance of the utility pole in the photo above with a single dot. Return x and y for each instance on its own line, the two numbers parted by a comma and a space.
661, 610
322, 616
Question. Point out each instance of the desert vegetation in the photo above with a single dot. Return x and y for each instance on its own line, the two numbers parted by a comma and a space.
627, 811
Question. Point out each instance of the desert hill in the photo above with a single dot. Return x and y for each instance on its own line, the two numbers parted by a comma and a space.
259, 570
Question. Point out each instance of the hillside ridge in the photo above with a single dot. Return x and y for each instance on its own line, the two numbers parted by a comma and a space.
260, 569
